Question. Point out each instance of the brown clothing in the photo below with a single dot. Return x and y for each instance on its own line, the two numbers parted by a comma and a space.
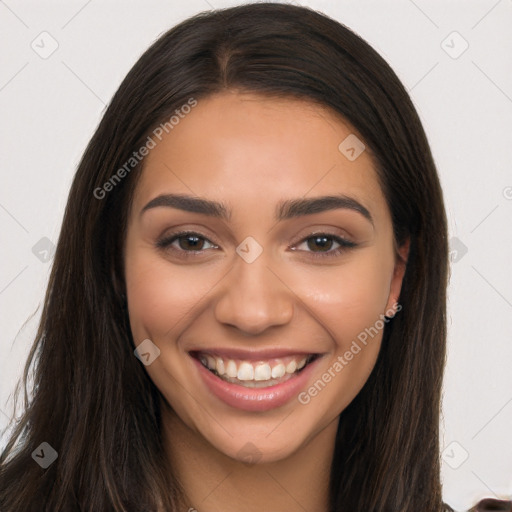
489, 505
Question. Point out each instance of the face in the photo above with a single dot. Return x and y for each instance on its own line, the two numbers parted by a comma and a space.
259, 260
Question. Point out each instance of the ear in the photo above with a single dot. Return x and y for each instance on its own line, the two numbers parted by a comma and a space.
398, 275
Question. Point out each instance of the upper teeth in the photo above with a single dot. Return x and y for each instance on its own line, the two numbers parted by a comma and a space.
258, 371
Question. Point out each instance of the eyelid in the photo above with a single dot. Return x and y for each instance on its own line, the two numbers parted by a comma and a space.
328, 231
165, 241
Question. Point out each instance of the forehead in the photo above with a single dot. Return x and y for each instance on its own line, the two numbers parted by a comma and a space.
248, 149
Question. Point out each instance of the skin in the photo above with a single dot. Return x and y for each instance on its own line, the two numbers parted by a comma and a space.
250, 152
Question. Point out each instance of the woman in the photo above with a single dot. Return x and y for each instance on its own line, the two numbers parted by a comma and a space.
247, 304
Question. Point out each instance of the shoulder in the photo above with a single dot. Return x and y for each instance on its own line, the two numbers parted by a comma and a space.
492, 504
487, 505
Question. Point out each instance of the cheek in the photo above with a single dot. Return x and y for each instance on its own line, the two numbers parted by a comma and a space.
348, 301
161, 295
348, 298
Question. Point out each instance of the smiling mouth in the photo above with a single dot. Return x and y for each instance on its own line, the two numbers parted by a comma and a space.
254, 374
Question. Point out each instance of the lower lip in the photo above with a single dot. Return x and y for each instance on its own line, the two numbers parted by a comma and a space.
255, 399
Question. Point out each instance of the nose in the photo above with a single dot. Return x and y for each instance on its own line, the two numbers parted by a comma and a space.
254, 298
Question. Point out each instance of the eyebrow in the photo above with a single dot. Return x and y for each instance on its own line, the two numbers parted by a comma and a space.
285, 210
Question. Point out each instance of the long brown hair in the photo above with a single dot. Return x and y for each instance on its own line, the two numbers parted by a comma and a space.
94, 403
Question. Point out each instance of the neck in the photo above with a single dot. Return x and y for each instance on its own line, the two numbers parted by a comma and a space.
213, 481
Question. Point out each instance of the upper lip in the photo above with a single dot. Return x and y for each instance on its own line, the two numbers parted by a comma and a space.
251, 355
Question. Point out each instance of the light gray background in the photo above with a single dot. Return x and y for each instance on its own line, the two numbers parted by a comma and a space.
51, 104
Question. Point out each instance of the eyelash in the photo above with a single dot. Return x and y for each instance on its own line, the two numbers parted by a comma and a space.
165, 244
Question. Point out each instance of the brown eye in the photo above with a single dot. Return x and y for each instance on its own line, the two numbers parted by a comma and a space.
185, 242
190, 242
322, 242
324, 245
